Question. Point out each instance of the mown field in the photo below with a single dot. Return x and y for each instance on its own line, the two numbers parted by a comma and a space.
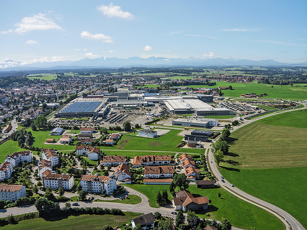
268, 159
46, 76
75, 222
240, 213
167, 142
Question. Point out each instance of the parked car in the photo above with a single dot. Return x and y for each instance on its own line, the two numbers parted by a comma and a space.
231, 185
175, 213
75, 204
222, 177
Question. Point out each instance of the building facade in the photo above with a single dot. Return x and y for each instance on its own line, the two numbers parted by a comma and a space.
96, 184
12, 192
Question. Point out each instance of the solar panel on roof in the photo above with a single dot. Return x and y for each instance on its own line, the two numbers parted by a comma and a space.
82, 107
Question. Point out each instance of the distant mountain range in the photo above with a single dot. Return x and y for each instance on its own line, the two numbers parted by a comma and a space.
139, 62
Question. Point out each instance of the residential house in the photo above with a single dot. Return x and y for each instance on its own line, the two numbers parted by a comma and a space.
12, 192
158, 171
122, 172
56, 181
113, 160
191, 173
108, 141
96, 184
147, 133
51, 155
6, 170
92, 152
86, 141
19, 157
147, 221
151, 160
184, 157
44, 166
188, 163
186, 201
115, 136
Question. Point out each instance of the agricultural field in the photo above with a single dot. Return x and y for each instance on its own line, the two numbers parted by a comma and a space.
240, 213
268, 159
74, 222
46, 76
277, 92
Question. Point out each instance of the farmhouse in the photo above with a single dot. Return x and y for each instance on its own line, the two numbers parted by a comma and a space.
158, 171
12, 192
96, 184
151, 160
113, 160
186, 201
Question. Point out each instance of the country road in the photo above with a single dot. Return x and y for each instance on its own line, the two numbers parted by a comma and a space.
290, 222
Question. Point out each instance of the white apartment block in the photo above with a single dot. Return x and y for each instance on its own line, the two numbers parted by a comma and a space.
12, 192
51, 155
44, 166
56, 181
96, 184
92, 152
19, 157
6, 170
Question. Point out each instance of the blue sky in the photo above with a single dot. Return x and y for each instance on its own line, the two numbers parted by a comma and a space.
39, 31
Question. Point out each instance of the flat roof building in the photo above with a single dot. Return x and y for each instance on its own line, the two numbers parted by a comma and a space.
195, 122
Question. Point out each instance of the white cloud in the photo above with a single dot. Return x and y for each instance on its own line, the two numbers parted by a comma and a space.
168, 51
31, 42
91, 55
37, 22
105, 57
57, 58
210, 55
147, 48
111, 51
211, 37
192, 35
98, 37
259, 56
175, 32
115, 11
80, 49
239, 30
37, 60
166, 59
7, 32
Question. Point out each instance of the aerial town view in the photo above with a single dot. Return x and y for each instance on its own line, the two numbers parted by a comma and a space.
153, 115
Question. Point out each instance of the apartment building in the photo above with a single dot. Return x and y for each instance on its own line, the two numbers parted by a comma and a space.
12, 192
56, 181
51, 155
158, 171
96, 184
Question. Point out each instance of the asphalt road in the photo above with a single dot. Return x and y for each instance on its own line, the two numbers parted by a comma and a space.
290, 222
13, 129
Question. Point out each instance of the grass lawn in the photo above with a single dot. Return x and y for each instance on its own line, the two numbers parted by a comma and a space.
285, 91
268, 159
75, 130
20, 127
90, 161
167, 142
132, 153
268, 108
75, 222
132, 199
7, 148
240, 213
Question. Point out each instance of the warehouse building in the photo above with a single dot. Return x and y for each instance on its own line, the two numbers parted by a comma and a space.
195, 122
85, 108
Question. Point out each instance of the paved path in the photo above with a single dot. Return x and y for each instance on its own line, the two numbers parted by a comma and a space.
289, 221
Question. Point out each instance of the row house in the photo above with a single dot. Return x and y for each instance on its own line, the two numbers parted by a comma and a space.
96, 184
19, 157
151, 160
122, 172
56, 181
184, 156
92, 152
12, 192
192, 173
6, 170
44, 166
188, 163
158, 171
113, 160
51, 155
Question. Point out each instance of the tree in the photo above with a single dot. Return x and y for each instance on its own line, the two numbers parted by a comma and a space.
157, 215
44, 106
226, 225
40, 121
172, 189
46, 206
33, 127
67, 205
61, 191
220, 145
2, 204
137, 126
138, 227
127, 126
108, 227
49, 196
181, 181
179, 218
165, 197
103, 130
166, 224
159, 198
35, 189
218, 156
190, 215
82, 195
225, 134
230, 87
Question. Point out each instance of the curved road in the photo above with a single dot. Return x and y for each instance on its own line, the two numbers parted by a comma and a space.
290, 222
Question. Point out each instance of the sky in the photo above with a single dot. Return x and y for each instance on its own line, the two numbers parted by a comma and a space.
48, 31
